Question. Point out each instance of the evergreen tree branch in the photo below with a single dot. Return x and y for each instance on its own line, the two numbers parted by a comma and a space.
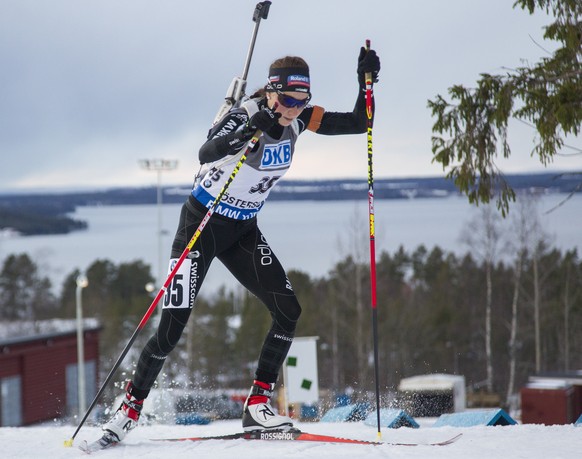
470, 130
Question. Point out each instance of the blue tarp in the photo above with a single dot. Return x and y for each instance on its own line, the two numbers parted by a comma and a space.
349, 413
391, 418
494, 417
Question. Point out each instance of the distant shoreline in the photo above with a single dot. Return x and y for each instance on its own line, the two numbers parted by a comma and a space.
393, 188
49, 213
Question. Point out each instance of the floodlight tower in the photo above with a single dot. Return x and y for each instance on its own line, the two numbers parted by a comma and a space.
159, 166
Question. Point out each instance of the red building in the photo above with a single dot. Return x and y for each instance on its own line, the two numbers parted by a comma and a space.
552, 398
38, 370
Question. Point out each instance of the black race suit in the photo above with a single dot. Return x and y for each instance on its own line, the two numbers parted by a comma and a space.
233, 236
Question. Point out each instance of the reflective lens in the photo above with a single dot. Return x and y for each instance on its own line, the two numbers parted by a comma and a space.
290, 102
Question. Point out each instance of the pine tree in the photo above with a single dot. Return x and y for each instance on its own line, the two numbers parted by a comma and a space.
24, 293
547, 95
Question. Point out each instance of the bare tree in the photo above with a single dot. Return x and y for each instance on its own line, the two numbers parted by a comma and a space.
567, 306
524, 225
539, 278
571, 298
483, 235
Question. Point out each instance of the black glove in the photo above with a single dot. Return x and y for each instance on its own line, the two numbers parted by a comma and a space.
264, 120
368, 62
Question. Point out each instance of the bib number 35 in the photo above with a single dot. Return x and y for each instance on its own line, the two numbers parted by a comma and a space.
182, 290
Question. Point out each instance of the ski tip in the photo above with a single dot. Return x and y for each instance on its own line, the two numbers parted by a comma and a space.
84, 446
68, 443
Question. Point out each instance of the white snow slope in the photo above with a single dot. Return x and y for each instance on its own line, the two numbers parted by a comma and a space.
480, 442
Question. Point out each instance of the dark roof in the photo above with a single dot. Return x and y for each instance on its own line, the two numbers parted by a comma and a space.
43, 336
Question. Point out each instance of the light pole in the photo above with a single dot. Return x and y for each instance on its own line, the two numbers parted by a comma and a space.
159, 165
150, 287
82, 282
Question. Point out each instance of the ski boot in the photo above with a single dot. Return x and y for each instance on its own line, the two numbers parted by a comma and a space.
126, 417
258, 414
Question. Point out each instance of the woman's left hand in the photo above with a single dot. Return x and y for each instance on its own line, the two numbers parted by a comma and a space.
368, 62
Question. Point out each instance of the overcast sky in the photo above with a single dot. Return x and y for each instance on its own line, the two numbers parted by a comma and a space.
87, 88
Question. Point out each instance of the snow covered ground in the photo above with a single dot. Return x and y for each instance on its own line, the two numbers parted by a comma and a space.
481, 442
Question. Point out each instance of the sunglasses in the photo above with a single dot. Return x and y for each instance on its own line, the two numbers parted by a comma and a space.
291, 102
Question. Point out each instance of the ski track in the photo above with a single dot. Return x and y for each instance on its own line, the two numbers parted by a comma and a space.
480, 442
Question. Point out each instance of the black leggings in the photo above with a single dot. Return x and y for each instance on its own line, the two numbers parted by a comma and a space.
242, 248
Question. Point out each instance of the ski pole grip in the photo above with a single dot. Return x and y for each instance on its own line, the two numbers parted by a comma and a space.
368, 80
368, 75
261, 11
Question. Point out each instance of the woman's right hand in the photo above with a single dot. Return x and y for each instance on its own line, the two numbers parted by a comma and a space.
263, 120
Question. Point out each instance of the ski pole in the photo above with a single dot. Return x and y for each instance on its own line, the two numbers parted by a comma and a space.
370, 114
234, 95
238, 85
249, 147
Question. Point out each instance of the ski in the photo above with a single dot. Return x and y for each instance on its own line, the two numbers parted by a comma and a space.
106, 441
298, 435
446, 442
273, 435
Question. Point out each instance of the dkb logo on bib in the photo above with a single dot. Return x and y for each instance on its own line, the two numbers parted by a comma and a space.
276, 155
